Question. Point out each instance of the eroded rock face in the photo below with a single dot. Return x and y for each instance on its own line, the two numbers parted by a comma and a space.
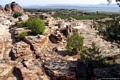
4, 69
20, 49
13, 7
59, 69
37, 43
30, 70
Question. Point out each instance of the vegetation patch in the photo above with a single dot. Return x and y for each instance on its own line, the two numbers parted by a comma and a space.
22, 35
74, 43
93, 55
36, 25
17, 14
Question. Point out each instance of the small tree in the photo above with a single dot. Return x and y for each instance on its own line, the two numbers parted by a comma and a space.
74, 43
36, 25
17, 14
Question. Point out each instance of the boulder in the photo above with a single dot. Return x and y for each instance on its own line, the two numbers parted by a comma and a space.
59, 69
37, 43
13, 7
4, 69
16, 7
20, 49
30, 70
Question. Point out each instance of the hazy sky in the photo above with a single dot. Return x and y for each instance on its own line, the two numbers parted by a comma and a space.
44, 2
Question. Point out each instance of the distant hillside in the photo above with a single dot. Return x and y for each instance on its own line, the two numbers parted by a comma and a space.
104, 5
68, 6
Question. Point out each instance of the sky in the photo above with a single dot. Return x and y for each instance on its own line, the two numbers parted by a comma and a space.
45, 2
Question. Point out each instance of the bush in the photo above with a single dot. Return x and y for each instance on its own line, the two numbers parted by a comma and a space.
36, 25
74, 43
17, 14
22, 35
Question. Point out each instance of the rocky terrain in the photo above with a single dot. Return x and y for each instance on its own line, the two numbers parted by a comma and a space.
44, 57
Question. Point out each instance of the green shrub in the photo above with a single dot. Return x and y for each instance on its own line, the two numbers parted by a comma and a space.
17, 14
74, 43
36, 25
22, 35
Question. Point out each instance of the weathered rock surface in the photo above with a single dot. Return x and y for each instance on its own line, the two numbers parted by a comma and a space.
13, 7
112, 72
20, 49
4, 69
90, 35
59, 69
30, 70
37, 43
23, 18
82, 69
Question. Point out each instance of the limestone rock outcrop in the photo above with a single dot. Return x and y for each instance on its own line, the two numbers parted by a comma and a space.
13, 7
